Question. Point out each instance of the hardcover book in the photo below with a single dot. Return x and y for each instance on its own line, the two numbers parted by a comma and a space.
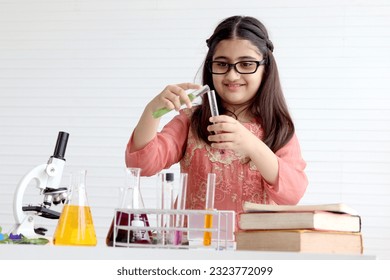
304, 241
336, 207
315, 220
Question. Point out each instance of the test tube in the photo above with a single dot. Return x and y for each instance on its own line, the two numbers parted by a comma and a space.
208, 219
192, 96
166, 203
180, 205
160, 234
213, 103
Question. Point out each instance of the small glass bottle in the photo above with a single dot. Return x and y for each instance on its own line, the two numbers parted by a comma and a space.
131, 198
75, 226
165, 201
168, 204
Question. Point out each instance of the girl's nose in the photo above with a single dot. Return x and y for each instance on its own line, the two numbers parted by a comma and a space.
232, 74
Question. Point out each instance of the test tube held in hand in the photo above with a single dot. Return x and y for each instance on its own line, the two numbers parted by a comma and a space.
192, 96
213, 103
208, 219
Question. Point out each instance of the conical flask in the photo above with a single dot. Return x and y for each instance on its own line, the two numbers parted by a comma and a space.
75, 226
131, 198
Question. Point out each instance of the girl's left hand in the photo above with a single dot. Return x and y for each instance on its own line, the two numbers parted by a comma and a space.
228, 133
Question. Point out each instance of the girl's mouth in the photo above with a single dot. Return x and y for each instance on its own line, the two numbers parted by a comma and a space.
233, 86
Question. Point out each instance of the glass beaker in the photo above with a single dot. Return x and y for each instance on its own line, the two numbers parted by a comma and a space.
75, 226
131, 198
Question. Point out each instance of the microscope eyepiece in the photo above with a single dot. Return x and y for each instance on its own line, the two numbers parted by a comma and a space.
62, 141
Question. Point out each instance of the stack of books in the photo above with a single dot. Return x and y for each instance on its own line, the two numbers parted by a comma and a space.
324, 228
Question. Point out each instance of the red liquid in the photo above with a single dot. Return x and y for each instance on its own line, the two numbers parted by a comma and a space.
128, 236
177, 237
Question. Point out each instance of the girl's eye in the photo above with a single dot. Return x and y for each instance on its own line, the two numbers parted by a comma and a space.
246, 64
221, 64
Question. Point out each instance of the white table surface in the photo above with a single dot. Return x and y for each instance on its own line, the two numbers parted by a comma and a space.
102, 252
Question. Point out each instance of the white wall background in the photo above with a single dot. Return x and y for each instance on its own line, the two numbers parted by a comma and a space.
88, 67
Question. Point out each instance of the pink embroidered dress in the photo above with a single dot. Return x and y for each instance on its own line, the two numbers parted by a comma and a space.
238, 179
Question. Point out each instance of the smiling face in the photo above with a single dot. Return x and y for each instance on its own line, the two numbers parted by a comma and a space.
237, 90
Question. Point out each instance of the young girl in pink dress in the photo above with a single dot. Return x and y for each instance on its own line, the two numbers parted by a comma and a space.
251, 145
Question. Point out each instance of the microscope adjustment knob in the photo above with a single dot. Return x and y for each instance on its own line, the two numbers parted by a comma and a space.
47, 200
51, 170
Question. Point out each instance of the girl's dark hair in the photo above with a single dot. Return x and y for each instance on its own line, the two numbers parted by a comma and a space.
268, 105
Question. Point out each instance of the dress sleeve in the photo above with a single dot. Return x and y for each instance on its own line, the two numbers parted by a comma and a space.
292, 181
164, 150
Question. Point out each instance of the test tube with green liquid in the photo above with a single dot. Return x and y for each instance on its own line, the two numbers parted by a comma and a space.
192, 96
208, 218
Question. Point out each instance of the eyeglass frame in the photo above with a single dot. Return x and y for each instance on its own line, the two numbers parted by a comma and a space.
233, 65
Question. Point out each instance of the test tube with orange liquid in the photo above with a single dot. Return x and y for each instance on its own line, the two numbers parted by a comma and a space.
208, 218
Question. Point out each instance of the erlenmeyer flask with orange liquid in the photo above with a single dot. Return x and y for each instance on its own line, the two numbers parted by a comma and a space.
75, 226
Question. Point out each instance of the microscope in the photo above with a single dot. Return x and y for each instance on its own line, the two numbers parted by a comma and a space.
48, 178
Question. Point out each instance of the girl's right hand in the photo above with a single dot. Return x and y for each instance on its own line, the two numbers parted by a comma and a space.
172, 97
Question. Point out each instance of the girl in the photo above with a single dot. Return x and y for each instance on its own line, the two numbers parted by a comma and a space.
251, 146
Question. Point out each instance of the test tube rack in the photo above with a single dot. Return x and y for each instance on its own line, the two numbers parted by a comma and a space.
222, 230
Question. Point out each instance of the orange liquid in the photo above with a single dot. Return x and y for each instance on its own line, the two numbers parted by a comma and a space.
75, 227
208, 223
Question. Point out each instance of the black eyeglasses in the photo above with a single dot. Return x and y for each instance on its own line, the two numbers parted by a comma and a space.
241, 67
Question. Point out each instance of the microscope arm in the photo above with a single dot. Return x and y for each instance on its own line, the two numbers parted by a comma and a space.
40, 176
44, 174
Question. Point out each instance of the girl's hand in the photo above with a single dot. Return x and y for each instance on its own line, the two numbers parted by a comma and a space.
172, 96
228, 133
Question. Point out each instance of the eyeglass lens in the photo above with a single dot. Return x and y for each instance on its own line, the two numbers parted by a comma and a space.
242, 67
